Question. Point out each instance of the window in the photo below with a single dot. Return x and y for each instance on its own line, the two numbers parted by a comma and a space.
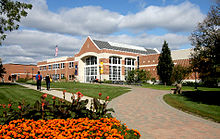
114, 68
62, 65
71, 77
129, 65
91, 60
71, 64
90, 68
44, 68
62, 76
56, 76
49, 67
56, 66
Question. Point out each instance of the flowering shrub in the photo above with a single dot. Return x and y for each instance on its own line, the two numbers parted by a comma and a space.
104, 128
59, 109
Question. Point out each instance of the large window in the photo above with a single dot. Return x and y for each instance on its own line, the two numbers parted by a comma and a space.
91, 68
129, 65
114, 68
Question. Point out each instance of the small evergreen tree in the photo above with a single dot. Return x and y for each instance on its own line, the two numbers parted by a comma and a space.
165, 65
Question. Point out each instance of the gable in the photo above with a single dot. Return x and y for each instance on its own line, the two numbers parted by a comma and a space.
88, 46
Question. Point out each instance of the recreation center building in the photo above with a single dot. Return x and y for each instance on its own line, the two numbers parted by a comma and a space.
108, 61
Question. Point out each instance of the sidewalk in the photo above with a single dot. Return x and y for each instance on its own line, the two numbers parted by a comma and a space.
58, 93
144, 109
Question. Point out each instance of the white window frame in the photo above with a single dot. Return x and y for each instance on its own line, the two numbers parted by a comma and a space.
115, 68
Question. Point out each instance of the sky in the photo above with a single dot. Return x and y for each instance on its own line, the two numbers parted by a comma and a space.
67, 24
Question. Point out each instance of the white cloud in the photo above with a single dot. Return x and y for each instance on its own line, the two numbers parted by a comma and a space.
148, 41
76, 21
177, 18
35, 46
89, 20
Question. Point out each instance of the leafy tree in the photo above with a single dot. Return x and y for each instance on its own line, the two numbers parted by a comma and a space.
2, 70
165, 65
180, 73
130, 76
137, 76
206, 39
11, 13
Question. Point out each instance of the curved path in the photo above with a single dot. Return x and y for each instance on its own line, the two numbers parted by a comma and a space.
145, 110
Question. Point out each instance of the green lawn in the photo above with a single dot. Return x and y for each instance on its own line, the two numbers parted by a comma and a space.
184, 88
92, 90
87, 89
205, 105
17, 93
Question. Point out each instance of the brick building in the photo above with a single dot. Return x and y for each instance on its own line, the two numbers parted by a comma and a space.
16, 71
107, 61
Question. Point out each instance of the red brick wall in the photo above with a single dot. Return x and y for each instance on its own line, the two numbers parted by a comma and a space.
152, 61
22, 71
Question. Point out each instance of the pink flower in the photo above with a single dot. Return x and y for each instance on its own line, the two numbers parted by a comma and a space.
19, 106
3, 105
53, 97
100, 94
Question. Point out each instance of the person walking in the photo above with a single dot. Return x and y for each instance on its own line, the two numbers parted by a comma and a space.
38, 79
48, 82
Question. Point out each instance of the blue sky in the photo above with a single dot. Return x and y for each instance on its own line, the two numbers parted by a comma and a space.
67, 23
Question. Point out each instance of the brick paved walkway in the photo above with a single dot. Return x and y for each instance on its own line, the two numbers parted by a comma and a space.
145, 110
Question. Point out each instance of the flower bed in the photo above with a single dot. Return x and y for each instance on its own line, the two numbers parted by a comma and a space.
104, 128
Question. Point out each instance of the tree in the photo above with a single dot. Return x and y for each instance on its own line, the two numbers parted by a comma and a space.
165, 65
206, 39
11, 13
2, 70
137, 76
180, 73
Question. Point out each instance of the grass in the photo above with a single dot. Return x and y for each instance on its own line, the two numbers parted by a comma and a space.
87, 89
92, 90
17, 93
203, 103
184, 88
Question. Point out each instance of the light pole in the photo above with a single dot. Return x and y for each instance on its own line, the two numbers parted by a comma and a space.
32, 73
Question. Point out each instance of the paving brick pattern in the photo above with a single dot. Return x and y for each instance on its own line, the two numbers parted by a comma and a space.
145, 110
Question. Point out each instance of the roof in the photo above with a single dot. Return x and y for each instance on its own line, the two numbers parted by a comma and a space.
123, 47
181, 54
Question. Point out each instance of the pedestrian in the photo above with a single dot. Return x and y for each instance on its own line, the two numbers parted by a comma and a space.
48, 82
38, 79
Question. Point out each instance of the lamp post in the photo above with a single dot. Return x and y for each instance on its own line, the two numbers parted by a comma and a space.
32, 73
